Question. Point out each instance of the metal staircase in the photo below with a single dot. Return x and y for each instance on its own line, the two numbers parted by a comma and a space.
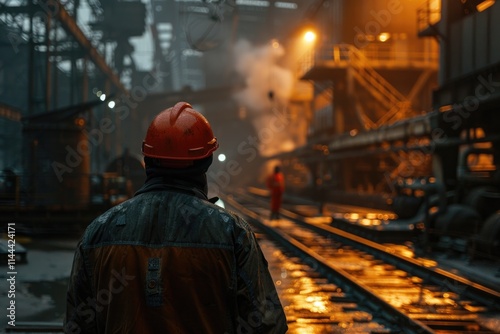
396, 103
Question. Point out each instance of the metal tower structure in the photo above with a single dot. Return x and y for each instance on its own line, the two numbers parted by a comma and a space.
60, 62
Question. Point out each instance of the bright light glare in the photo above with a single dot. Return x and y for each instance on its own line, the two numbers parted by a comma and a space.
485, 5
383, 37
102, 97
220, 203
287, 5
309, 36
221, 157
111, 104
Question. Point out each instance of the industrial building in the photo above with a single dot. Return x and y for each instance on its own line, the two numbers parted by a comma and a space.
381, 104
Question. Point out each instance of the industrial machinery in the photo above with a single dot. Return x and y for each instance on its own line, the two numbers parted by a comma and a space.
60, 77
408, 130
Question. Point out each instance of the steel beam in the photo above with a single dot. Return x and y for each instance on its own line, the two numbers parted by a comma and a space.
71, 27
10, 113
414, 127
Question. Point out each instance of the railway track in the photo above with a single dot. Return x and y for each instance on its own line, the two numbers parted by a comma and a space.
407, 295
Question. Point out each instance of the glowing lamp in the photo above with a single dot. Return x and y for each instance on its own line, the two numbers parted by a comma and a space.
309, 36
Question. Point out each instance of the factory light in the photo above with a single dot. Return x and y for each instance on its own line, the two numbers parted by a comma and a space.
102, 97
255, 3
446, 108
80, 121
384, 36
309, 36
222, 157
111, 104
286, 5
485, 5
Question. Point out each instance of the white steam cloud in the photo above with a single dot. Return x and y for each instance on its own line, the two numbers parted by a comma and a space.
266, 95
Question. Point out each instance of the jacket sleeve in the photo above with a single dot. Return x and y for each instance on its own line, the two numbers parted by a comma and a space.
80, 309
259, 307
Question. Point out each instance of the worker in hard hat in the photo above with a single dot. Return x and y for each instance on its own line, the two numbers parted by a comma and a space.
168, 260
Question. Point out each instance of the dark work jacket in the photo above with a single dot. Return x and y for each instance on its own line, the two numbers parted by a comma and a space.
168, 261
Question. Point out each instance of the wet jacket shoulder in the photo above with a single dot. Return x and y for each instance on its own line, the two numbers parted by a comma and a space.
167, 261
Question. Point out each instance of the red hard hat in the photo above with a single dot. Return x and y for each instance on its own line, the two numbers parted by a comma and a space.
179, 133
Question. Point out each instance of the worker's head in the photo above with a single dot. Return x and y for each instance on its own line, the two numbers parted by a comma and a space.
179, 138
277, 169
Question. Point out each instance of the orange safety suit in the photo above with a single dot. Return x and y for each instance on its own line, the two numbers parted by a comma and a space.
276, 185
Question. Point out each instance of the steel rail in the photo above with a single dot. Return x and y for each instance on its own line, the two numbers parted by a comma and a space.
453, 282
338, 276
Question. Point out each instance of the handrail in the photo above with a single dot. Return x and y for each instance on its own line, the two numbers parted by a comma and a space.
359, 61
376, 84
375, 57
429, 13
71, 27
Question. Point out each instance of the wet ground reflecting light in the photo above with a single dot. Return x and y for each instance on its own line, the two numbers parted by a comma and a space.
312, 305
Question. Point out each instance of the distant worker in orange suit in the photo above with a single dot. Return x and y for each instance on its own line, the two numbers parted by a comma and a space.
276, 184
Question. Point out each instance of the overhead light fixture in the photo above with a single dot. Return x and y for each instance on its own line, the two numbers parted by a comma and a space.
485, 5
309, 36
383, 37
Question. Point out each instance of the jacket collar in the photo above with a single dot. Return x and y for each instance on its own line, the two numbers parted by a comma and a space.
162, 183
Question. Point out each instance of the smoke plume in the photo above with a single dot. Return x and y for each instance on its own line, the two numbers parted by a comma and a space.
266, 95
